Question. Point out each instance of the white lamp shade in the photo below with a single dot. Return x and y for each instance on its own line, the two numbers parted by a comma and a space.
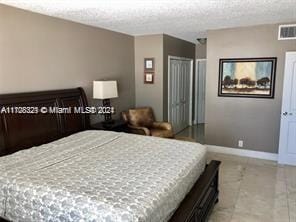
105, 89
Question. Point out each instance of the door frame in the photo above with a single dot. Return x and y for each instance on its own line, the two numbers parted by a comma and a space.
282, 154
196, 82
190, 88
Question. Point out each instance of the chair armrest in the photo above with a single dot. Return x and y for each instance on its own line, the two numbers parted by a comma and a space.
139, 130
163, 125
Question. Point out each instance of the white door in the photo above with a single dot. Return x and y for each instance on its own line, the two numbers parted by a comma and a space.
200, 94
287, 146
179, 93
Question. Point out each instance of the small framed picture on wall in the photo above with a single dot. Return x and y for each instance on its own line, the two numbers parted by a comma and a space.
149, 64
149, 78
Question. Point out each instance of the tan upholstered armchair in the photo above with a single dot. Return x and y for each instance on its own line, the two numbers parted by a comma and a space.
142, 121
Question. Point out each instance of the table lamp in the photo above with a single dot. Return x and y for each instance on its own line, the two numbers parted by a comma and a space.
105, 90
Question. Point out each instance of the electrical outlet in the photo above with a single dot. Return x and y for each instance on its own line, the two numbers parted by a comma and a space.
240, 143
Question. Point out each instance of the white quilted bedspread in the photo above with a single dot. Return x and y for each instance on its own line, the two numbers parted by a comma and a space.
99, 176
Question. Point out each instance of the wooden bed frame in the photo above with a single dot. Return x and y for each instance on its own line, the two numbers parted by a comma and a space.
22, 131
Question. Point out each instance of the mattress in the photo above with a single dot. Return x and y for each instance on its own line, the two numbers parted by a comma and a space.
99, 176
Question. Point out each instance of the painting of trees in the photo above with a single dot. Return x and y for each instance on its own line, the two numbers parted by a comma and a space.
252, 84
263, 82
244, 81
247, 82
229, 82
247, 77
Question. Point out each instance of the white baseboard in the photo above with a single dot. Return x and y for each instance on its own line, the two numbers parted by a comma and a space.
242, 152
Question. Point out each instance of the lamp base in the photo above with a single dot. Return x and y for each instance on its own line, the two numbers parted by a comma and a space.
107, 115
108, 123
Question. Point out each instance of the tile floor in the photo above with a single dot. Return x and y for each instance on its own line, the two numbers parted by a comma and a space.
251, 190
196, 132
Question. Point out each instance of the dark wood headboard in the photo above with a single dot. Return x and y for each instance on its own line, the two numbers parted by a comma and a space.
21, 131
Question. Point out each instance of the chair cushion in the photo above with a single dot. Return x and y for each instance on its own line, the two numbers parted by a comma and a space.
161, 133
124, 116
141, 117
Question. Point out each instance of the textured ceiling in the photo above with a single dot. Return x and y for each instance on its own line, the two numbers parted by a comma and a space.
181, 18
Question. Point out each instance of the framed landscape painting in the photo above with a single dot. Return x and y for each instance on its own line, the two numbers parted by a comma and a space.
252, 77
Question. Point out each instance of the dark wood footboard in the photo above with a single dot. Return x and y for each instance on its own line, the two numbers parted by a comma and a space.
200, 201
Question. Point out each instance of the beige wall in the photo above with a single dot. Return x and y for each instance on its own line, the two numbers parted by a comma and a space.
174, 47
149, 46
201, 51
41, 53
159, 47
256, 121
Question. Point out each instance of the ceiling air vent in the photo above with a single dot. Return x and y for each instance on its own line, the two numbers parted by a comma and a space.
287, 32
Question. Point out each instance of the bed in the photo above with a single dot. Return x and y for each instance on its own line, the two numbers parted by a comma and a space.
54, 168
